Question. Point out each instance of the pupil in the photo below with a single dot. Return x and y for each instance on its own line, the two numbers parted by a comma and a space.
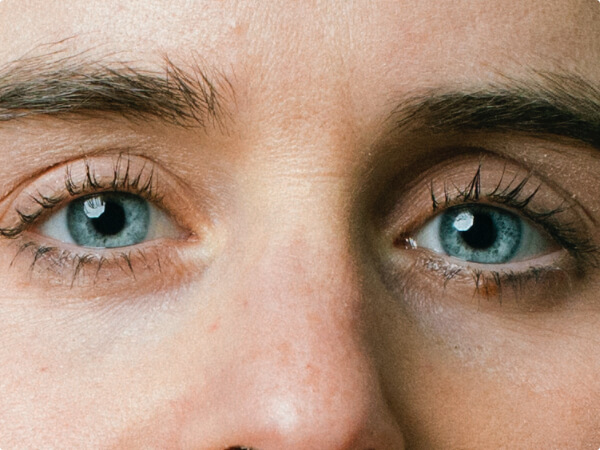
111, 221
482, 233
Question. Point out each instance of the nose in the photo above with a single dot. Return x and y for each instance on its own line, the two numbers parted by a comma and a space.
288, 364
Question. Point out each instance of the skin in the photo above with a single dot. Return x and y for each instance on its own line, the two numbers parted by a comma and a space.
288, 319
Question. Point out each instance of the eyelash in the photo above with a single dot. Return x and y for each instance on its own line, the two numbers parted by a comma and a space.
141, 181
564, 233
121, 182
491, 283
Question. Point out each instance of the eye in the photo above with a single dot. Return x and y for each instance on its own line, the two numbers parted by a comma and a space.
108, 220
483, 234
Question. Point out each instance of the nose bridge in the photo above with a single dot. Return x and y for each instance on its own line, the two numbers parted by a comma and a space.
305, 285
296, 373
312, 274
305, 303
297, 259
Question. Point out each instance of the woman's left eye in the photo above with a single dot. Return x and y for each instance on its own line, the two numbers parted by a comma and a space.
108, 220
483, 234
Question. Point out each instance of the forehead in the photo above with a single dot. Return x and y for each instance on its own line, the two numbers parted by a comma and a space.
410, 33
329, 54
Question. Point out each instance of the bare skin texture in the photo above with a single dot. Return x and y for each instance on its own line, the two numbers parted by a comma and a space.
287, 297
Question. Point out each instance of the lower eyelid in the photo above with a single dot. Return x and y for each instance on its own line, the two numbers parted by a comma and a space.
548, 283
84, 273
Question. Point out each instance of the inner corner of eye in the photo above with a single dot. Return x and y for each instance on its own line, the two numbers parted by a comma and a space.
404, 242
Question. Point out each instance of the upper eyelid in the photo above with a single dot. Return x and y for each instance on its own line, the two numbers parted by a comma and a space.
504, 193
476, 177
123, 177
60, 184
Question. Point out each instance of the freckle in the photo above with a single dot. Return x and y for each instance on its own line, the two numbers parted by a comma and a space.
240, 29
214, 326
285, 353
312, 369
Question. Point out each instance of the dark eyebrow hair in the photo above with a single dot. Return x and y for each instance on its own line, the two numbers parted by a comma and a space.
546, 104
53, 84
78, 85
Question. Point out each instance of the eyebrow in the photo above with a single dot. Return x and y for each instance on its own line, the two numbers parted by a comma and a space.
545, 104
542, 104
78, 86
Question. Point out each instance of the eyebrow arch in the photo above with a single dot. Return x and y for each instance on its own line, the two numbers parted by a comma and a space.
547, 104
75, 86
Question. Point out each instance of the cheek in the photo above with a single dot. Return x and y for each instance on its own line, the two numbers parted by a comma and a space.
456, 402
448, 364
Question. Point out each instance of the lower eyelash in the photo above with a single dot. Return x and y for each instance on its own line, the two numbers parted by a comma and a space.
85, 265
536, 288
493, 284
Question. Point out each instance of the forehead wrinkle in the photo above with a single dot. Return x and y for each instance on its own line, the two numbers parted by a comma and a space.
79, 85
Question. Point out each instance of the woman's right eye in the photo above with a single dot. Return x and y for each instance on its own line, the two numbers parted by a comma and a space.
483, 234
109, 220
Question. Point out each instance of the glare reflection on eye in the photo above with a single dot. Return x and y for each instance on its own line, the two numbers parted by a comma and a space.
482, 234
108, 220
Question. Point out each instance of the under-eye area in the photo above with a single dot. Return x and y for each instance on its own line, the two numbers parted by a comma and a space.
481, 227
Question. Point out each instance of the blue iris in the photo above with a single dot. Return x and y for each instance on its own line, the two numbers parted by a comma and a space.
480, 234
108, 220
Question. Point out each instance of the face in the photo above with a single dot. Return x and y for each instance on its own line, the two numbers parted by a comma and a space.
331, 225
